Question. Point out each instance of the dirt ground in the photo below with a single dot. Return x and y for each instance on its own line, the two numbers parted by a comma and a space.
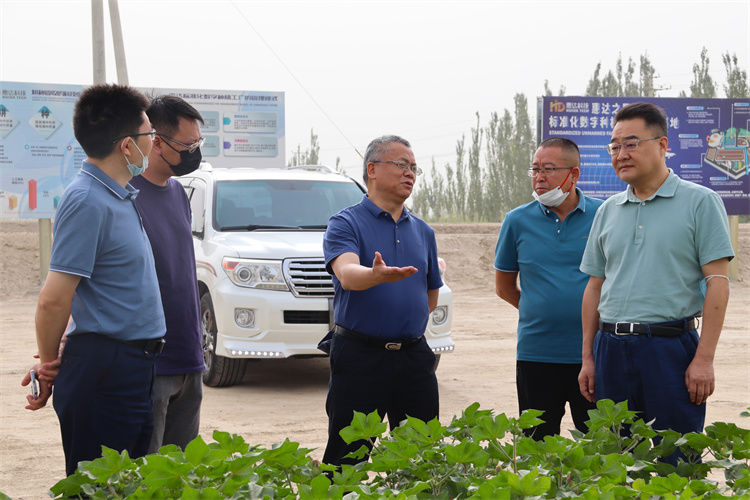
285, 398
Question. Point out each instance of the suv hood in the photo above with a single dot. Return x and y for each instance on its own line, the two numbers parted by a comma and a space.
271, 244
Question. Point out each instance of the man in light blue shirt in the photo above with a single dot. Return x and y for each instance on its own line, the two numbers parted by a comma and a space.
102, 273
650, 251
543, 241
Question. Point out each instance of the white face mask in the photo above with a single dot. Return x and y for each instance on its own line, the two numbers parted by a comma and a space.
134, 169
553, 197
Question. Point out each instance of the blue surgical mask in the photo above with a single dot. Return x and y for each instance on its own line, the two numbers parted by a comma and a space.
135, 169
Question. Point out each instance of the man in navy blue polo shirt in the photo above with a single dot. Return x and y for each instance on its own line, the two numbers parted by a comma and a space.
544, 241
102, 273
386, 279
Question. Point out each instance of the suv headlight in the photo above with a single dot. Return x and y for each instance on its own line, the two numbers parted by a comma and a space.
255, 273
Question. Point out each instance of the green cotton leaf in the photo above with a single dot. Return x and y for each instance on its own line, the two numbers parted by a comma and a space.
613, 467
369, 427
672, 484
200, 494
470, 416
71, 486
697, 443
359, 453
530, 484
320, 485
488, 491
349, 475
466, 452
488, 428
529, 419
609, 415
232, 443
196, 451
165, 473
642, 430
423, 433
111, 462
574, 458
399, 449
285, 455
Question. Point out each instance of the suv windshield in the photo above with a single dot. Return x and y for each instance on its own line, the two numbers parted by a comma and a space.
281, 204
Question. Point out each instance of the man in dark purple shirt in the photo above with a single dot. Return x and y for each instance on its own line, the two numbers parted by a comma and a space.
165, 210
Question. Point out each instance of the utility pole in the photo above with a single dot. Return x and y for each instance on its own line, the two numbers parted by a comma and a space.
97, 38
122, 67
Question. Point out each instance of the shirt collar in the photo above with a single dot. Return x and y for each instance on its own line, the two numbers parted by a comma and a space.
121, 192
376, 211
666, 190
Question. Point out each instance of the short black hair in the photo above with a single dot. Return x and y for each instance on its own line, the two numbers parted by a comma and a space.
166, 110
653, 115
379, 147
105, 112
569, 148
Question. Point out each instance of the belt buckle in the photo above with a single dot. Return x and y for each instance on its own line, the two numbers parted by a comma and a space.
617, 328
393, 346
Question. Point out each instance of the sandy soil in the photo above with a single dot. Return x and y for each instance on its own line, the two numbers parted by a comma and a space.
285, 398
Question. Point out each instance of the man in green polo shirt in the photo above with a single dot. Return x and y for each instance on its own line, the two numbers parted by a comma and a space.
652, 251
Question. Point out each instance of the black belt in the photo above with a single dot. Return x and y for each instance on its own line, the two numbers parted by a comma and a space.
666, 329
150, 345
391, 345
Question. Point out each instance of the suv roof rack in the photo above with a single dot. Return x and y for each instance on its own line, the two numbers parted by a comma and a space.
314, 168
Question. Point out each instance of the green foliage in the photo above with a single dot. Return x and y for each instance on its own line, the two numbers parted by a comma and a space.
310, 156
479, 455
623, 82
737, 85
702, 85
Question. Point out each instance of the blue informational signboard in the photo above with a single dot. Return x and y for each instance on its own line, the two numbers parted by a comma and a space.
708, 142
39, 155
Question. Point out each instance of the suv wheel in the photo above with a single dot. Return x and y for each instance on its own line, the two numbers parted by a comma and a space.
220, 371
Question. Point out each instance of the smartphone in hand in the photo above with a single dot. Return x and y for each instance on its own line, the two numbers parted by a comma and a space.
34, 386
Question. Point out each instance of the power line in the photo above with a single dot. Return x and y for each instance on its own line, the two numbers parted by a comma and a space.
295, 77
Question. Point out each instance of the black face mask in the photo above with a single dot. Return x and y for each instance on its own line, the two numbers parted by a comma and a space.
189, 162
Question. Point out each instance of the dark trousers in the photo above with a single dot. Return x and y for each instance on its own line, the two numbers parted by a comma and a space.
103, 397
649, 372
366, 378
547, 387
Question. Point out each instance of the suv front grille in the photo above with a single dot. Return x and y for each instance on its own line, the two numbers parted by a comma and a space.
306, 317
308, 277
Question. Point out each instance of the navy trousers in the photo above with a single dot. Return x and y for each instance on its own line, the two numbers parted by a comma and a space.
103, 397
649, 372
366, 378
547, 387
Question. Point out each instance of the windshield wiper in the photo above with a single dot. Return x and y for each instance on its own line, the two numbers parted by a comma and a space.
318, 226
255, 227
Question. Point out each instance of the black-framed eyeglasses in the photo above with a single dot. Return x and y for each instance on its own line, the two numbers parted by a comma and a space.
152, 134
628, 146
402, 165
190, 147
534, 172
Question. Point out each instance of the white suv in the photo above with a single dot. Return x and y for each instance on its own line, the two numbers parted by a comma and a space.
265, 293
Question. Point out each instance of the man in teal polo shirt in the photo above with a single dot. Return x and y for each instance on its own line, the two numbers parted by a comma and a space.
544, 241
652, 250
